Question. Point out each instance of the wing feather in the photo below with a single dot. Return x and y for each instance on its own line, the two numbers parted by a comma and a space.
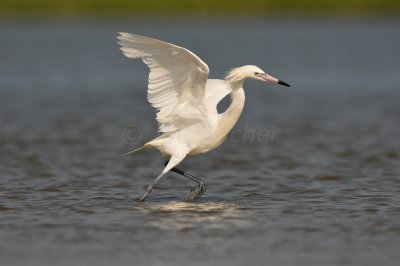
177, 80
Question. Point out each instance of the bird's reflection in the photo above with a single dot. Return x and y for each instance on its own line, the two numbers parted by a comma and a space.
179, 216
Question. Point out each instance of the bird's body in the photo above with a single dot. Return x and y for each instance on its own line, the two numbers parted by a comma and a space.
209, 132
186, 100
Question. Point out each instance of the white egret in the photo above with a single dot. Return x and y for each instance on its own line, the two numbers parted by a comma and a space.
187, 101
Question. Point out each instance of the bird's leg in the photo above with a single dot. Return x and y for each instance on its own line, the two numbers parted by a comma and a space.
174, 160
150, 187
197, 191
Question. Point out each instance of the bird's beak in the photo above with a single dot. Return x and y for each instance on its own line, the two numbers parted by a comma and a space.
283, 83
268, 78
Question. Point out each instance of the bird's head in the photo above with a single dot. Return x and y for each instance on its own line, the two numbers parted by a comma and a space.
242, 73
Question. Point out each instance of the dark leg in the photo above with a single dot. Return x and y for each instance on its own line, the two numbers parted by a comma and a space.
197, 191
150, 187
174, 160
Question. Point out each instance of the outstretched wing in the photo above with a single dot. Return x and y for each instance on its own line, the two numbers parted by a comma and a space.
177, 80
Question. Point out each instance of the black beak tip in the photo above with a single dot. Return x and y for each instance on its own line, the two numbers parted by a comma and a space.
283, 83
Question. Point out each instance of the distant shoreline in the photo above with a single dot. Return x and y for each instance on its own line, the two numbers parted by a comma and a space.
82, 8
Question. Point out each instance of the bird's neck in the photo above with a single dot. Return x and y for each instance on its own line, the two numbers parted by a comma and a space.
232, 114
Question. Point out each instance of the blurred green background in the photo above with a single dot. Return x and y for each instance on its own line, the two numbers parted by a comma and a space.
82, 8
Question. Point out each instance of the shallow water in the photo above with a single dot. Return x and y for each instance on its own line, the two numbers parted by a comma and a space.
310, 175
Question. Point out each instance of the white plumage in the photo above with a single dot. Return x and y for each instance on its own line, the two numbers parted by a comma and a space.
176, 81
186, 100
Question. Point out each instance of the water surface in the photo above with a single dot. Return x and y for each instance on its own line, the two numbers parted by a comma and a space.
310, 175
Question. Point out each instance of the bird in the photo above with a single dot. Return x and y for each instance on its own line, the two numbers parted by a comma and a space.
186, 102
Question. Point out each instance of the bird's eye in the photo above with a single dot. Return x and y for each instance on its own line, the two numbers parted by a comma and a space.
256, 73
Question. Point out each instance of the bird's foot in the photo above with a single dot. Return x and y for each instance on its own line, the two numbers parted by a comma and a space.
196, 192
148, 190
142, 198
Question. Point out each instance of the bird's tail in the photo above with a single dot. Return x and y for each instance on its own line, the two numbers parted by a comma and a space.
155, 143
130, 152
